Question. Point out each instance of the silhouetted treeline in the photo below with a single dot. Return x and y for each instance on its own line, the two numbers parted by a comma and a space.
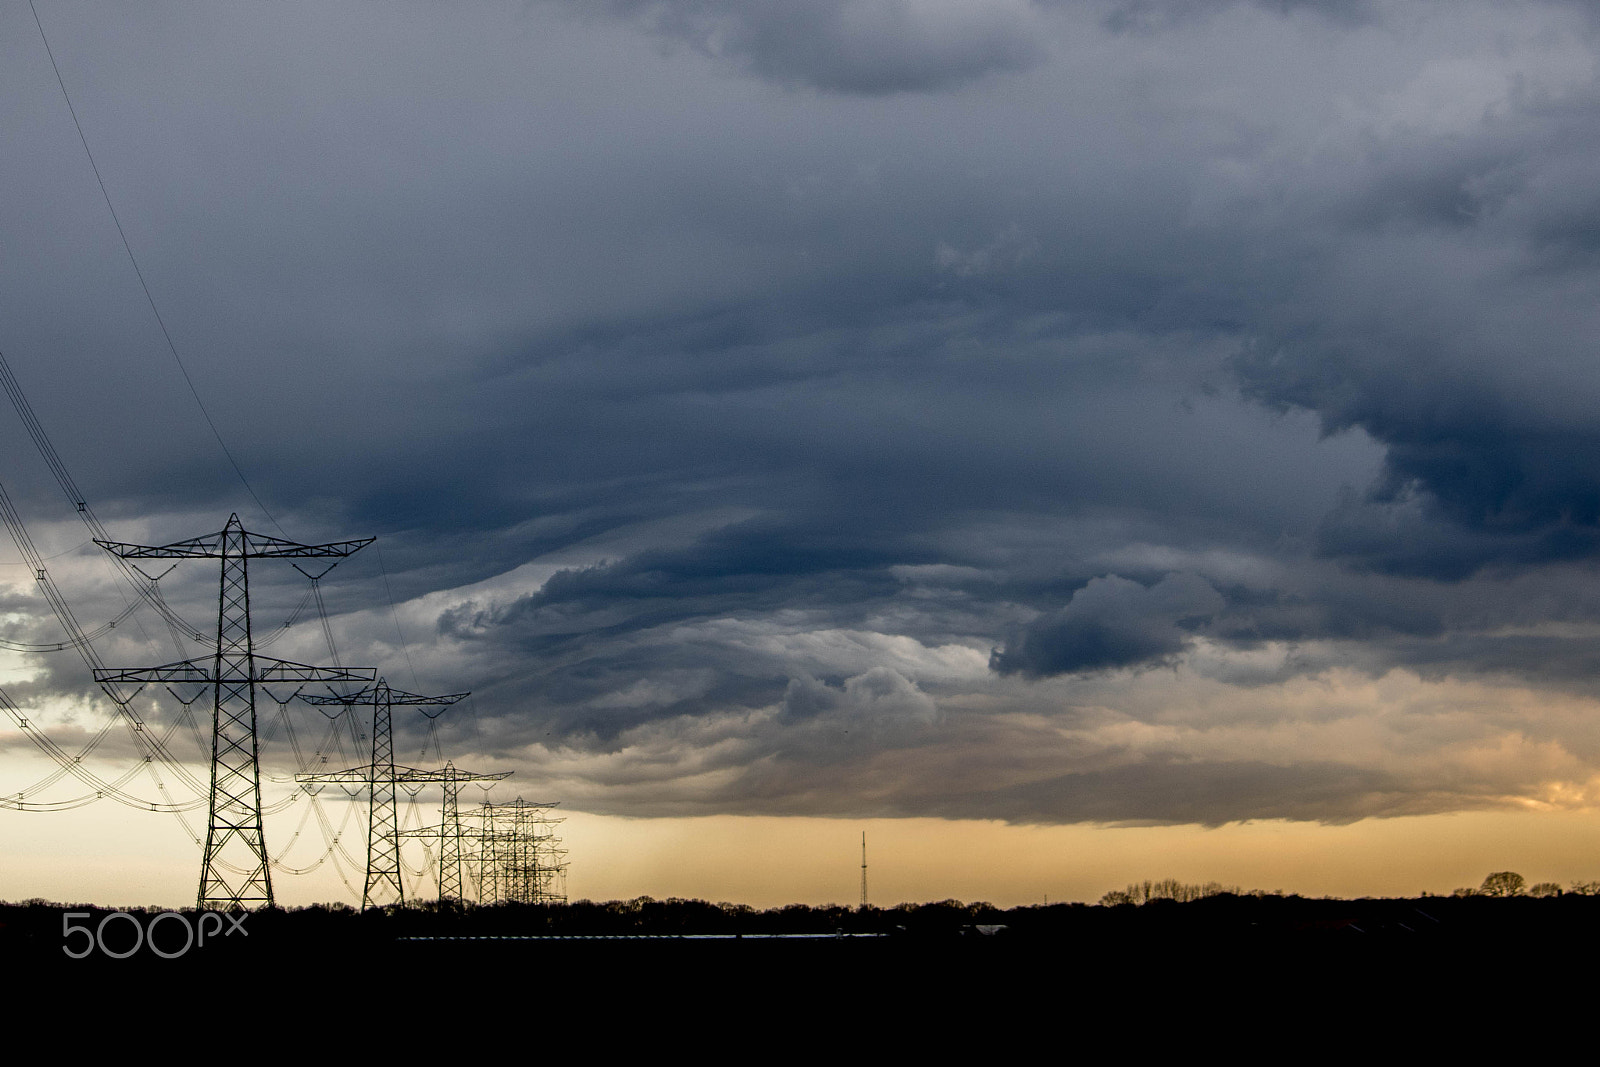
1152, 908
1172, 889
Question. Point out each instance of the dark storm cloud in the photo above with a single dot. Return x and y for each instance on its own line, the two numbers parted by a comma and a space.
1110, 623
596, 629
1460, 353
726, 381
1472, 475
853, 46
1335, 609
1415, 535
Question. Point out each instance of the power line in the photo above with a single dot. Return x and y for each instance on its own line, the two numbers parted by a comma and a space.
171, 347
143, 586
395, 615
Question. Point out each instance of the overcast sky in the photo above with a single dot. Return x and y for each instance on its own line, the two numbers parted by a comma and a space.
1123, 412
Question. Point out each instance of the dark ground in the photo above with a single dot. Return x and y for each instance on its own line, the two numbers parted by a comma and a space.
1255, 949
1283, 979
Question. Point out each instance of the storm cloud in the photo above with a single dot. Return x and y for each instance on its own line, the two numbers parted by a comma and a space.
854, 46
1113, 412
1112, 622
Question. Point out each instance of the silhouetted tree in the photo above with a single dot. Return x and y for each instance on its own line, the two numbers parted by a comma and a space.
1170, 889
1502, 884
1544, 889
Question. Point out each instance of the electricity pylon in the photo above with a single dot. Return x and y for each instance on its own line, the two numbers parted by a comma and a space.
450, 887
449, 831
383, 824
519, 858
234, 872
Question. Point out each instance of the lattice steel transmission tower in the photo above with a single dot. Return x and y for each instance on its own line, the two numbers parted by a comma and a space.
450, 887
383, 885
452, 836
863, 870
234, 872
519, 858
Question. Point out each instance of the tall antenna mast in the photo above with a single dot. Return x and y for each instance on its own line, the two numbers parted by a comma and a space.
863, 869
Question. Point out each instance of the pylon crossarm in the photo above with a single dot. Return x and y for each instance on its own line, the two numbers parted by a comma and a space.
255, 546
282, 670
348, 776
413, 774
261, 546
491, 810
425, 833
377, 694
366, 774
195, 548
412, 698
266, 670
183, 671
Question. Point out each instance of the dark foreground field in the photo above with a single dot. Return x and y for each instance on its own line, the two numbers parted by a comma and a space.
1248, 949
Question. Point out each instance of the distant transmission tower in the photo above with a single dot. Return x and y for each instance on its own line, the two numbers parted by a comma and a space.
451, 835
234, 872
383, 824
863, 869
519, 858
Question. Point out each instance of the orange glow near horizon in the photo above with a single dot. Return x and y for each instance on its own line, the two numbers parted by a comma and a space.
129, 859
767, 862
